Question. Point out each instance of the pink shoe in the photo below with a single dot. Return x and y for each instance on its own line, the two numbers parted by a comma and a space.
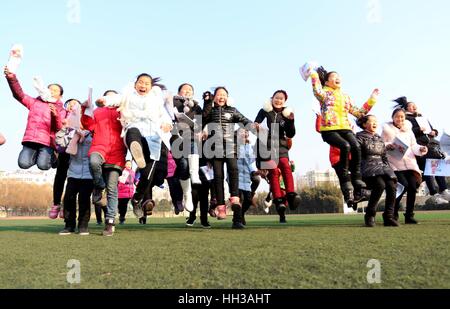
221, 212
54, 211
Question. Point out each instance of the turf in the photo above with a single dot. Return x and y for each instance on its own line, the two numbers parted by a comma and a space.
323, 251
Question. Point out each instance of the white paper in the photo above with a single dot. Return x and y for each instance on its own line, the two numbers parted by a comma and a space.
181, 117
435, 167
423, 123
305, 70
123, 178
445, 143
400, 189
400, 149
89, 111
208, 172
15, 58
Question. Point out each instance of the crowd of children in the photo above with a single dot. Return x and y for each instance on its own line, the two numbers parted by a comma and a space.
174, 138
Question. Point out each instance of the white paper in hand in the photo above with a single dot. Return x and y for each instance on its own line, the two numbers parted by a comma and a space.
400, 189
89, 111
305, 70
15, 58
423, 123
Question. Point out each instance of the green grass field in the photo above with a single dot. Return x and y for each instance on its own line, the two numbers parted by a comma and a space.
324, 251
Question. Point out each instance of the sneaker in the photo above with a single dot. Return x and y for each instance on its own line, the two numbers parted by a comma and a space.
206, 226
148, 206
221, 212
437, 199
138, 155
137, 208
212, 212
143, 220
445, 195
409, 219
67, 231
109, 230
54, 212
237, 226
83, 232
369, 221
283, 220
267, 205
61, 213
122, 220
190, 222
97, 195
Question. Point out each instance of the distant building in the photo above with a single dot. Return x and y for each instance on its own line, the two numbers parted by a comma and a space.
314, 178
30, 176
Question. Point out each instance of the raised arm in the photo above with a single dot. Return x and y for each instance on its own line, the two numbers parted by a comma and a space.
317, 87
367, 107
16, 89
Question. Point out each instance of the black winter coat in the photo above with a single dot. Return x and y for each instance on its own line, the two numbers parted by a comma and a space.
374, 161
286, 131
221, 122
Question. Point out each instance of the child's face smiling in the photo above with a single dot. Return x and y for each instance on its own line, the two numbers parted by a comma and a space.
221, 97
371, 125
186, 92
143, 85
278, 100
334, 81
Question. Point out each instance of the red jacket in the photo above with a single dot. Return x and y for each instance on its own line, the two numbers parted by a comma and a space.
106, 129
41, 124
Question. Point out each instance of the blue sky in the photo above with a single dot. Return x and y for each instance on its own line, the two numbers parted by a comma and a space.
252, 47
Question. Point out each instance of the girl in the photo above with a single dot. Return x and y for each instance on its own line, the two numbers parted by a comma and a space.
126, 190
404, 164
145, 122
336, 130
220, 147
44, 120
62, 168
440, 194
376, 172
107, 157
79, 185
280, 122
184, 144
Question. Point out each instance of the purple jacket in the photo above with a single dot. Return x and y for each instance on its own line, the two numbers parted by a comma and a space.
41, 124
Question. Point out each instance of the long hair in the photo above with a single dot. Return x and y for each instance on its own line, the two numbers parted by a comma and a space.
155, 81
402, 102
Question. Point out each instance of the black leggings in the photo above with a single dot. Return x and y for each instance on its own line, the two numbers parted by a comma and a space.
378, 184
233, 178
60, 177
200, 194
147, 173
409, 180
123, 207
347, 143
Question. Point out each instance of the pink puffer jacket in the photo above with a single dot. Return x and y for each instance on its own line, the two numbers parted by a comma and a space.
126, 184
41, 124
171, 165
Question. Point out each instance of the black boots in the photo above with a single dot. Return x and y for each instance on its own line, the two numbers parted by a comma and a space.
369, 220
281, 209
409, 218
293, 200
389, 220
237, 214
347, 191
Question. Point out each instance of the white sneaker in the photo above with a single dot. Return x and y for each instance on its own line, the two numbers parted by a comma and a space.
267, 206
445, 195
439, 200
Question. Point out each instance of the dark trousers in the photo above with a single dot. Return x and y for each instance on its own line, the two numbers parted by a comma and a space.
60, 177
200, 194
176, 192
409, 180
347, 143
123, 207
98, 212
147, 173
378, 185
431, 184
233, 178
83, 189
246, 200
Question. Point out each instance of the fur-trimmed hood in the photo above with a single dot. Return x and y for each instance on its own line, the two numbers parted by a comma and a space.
287, 111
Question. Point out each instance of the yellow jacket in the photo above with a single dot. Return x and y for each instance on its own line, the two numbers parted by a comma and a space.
336, 105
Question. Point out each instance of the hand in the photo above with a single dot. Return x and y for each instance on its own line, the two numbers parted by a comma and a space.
433, 134
166, 127
207, 96
257, 126
100, 102
375, 93
291, 116
7, 72
205, 135
390, 147
423, 149
53, 109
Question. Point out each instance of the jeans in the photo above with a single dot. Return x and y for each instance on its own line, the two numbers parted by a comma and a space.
441, 182
106, 178
33, 154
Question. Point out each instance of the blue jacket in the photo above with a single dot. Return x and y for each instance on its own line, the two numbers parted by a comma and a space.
79, 164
